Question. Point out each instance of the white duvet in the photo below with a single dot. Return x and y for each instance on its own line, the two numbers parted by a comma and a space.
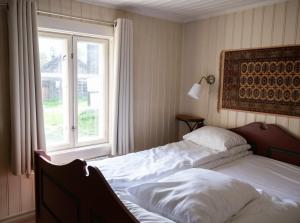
198, 195
195, 195
264, 209
154, 164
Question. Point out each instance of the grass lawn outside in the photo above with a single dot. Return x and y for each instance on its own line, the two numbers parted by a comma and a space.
54, 123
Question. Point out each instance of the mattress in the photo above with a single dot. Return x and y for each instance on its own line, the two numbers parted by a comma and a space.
274, 177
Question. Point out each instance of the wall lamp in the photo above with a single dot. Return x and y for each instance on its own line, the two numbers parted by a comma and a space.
195, 91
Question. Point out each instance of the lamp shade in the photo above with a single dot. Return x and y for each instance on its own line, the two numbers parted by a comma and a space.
195, 91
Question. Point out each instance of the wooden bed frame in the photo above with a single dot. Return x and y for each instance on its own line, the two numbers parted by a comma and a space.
75, 193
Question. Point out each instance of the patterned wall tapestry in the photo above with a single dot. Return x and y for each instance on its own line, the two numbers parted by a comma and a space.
261, 80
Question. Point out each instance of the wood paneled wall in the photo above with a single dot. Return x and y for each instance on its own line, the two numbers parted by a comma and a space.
272, 25
157, 61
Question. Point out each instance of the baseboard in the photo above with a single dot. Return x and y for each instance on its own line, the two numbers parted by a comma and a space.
23, 217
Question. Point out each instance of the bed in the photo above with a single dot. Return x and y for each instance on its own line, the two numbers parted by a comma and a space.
78, 192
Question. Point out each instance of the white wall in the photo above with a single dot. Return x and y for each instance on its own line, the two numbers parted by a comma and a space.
273, 25
157, 54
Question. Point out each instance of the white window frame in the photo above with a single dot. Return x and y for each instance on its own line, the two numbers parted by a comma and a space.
70, 90
68, 151
77, 38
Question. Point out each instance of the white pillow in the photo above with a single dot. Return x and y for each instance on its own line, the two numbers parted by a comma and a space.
238, 149
215, 138
195, 195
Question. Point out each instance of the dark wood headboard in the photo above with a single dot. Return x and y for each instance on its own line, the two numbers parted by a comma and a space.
271, 141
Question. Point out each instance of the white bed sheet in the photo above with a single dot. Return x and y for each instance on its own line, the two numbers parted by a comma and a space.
274, 177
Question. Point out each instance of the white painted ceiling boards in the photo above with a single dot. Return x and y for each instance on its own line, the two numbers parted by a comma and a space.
182, 10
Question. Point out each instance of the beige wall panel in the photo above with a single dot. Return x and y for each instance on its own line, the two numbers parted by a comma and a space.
212, 47
279, 23
257, 26
43, 4
86, 11
55, 6
66, 7
298, 25
27, 198
75, 8
214, 89
3, 191
292, 9
14, 194
268, 26
192, 54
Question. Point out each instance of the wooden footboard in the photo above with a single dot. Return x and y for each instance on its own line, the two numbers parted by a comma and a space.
67, 194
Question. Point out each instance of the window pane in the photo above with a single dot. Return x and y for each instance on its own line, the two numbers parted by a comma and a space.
54, 71
90, 91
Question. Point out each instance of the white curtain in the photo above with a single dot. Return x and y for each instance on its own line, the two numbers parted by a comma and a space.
123, 139
27, 126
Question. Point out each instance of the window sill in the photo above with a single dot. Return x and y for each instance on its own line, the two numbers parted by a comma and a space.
86, 152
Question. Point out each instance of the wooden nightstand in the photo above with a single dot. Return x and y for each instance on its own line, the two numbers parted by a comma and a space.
193, 122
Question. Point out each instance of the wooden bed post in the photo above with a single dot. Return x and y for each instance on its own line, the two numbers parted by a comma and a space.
68, 194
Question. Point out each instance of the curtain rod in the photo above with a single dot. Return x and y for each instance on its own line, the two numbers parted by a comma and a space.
106, 23
40, 12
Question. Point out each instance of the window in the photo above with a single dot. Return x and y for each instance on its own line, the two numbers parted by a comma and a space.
74, 72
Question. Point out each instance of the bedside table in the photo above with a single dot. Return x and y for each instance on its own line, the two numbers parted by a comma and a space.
193, 122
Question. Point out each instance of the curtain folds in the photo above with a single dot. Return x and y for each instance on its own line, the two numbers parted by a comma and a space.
123, 138
27, 125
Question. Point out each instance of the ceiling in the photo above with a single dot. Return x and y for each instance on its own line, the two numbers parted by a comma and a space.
182, 10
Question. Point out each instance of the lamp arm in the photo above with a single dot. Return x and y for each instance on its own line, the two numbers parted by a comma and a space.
210, 79
204, 77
